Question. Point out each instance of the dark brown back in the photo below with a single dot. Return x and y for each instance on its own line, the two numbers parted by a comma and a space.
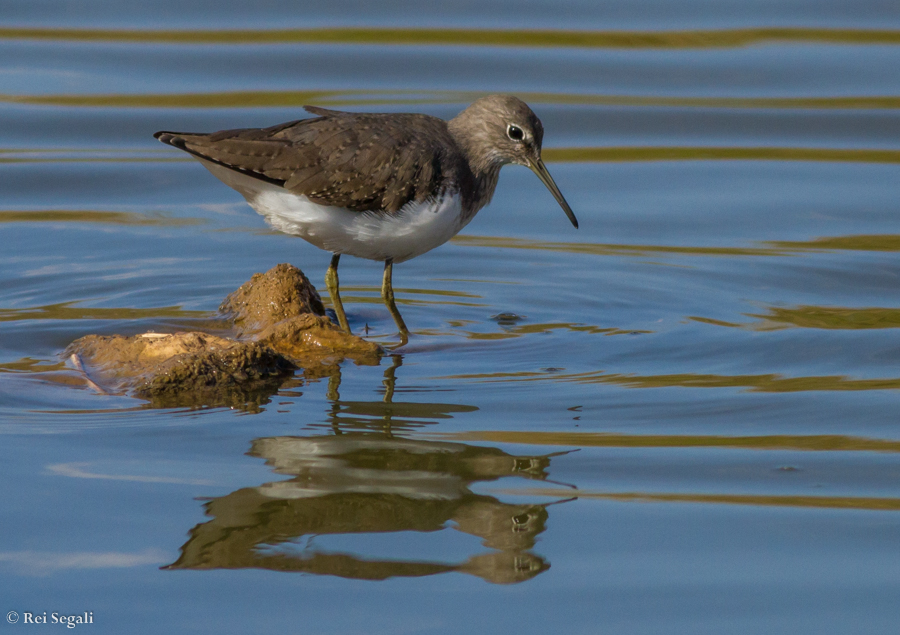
360, 162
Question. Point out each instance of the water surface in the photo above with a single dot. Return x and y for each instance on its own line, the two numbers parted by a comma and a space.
681, 417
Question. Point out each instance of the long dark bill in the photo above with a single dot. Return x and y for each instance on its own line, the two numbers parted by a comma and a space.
540, 169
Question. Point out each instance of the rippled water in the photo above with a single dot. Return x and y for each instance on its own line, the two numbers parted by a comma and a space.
680, 418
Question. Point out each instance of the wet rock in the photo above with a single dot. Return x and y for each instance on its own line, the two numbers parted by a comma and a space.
268, 298
181, 369
310, 339
237, 364
507, 319
127, 356
279, 327
282, 309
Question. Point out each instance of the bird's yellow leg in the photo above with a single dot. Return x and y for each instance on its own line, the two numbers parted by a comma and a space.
331, 281
387, 294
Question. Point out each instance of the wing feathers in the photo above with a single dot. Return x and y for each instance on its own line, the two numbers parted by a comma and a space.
361, 162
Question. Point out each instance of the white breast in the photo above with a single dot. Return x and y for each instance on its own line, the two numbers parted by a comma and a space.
414, 230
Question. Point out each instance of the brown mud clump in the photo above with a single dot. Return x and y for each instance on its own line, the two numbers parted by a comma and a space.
279, 328
268, 298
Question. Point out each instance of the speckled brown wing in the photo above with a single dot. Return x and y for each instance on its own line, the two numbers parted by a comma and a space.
360, 162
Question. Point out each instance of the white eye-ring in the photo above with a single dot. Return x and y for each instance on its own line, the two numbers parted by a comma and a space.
515, 133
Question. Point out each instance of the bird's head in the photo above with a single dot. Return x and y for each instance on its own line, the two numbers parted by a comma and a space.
501, 129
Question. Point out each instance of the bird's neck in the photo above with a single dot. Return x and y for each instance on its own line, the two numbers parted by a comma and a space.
484, 163
481, 194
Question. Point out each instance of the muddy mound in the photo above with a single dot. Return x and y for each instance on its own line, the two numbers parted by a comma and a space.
279, 328
268, 298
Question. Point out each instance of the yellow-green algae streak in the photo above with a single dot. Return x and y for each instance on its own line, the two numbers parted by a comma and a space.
888, 242
816, 317
821, 502
814, 442
718, 38
768, 383
373, 98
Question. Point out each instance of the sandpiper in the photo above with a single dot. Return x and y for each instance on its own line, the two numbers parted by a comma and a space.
386, 187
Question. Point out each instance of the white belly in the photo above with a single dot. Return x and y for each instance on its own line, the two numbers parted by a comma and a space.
415, 229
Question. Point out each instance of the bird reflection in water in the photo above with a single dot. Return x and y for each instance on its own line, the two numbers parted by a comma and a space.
357, 482
386, 415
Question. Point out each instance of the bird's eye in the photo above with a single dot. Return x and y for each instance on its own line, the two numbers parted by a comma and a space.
515, 133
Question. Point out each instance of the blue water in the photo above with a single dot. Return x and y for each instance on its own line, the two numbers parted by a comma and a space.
679, 418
